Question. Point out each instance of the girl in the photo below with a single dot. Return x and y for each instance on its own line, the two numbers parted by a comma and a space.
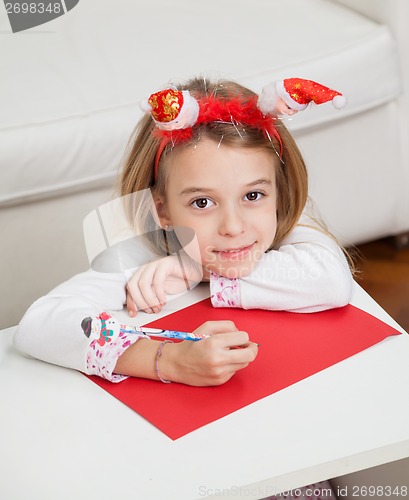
219, 161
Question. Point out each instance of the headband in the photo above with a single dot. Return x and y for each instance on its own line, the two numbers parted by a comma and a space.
176, 112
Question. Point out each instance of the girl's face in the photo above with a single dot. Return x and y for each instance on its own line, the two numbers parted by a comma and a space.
227, 196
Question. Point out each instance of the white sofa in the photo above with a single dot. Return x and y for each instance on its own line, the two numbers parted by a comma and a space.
69, 99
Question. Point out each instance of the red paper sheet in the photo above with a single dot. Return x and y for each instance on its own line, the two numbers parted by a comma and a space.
292, 347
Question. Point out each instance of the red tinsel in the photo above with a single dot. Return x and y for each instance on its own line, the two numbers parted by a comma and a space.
212, 109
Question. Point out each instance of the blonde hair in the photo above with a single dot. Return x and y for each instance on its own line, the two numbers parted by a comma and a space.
291, 172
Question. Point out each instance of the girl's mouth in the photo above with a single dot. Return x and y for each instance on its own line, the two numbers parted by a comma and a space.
234, 253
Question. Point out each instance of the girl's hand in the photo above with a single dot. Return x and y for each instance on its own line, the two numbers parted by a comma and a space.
148, 287
211, 361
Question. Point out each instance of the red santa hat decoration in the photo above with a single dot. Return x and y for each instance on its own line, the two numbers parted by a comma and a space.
178, 111
296, 94
172, 109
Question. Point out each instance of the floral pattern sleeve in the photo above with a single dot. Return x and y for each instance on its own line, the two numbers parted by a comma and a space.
224, 292
108, 340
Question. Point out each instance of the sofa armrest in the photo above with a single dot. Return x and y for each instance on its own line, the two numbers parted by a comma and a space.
377, 10
393, 13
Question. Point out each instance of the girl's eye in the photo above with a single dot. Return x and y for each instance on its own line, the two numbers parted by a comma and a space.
254, 196
202, 203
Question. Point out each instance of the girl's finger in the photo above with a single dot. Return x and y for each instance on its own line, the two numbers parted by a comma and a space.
130, 305
147, 290
140, 287
137, 297
231, 339
243, 354
158, 283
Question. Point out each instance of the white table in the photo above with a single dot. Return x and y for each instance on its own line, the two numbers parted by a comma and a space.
62, 437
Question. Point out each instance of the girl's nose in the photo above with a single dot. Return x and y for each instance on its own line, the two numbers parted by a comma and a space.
232, 222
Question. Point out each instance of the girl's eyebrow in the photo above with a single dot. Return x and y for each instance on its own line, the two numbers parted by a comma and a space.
193, 189
259, 181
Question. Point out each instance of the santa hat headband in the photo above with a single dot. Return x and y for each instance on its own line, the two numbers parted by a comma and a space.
177, 112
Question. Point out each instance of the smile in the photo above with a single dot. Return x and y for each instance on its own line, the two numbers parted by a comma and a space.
234, 253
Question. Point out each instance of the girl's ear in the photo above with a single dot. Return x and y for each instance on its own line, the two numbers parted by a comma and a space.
162, 212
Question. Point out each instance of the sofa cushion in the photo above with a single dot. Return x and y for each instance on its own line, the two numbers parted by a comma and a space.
71, 88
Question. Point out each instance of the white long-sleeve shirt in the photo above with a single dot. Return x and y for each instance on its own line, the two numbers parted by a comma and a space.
308, 273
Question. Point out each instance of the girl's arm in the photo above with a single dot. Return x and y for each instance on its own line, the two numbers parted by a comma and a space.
211, 361
52, 328
308, 273
68, 327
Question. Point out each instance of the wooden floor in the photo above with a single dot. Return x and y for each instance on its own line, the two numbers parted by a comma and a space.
384, 274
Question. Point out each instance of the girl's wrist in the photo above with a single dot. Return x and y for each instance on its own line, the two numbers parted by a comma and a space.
165, 361
157, 358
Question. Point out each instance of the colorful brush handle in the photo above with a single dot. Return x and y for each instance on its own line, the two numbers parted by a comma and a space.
167, 334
